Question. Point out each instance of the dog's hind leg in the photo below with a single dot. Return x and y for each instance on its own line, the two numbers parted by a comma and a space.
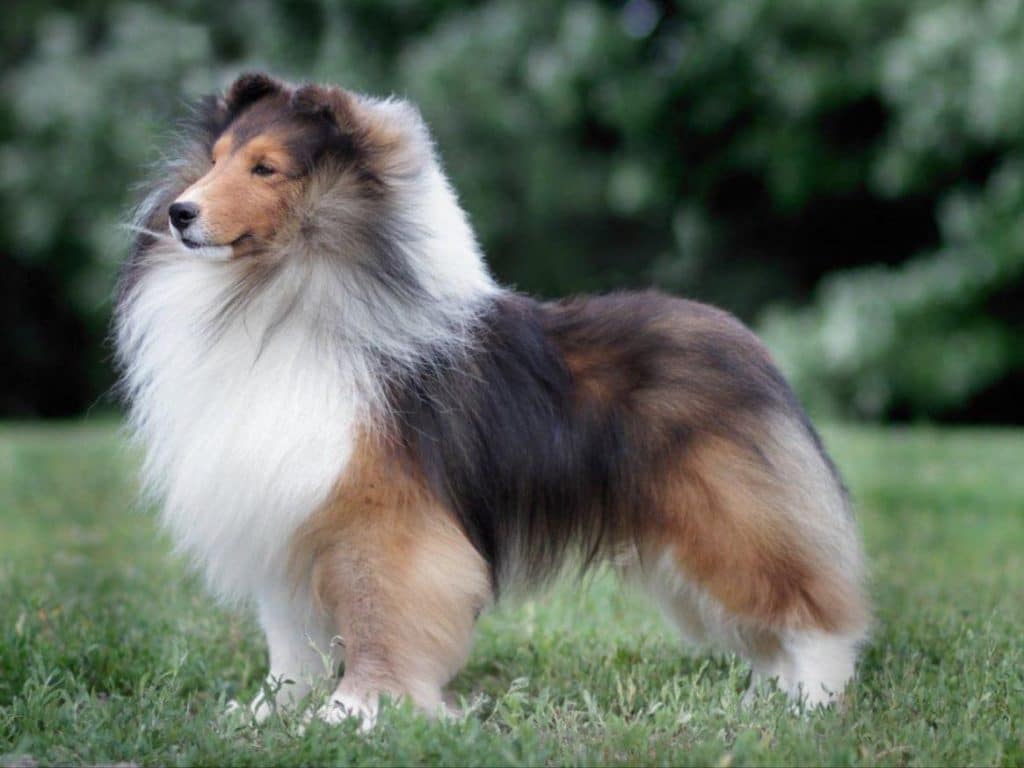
759, 546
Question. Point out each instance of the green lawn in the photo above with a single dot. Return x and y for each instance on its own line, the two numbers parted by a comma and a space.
110, 652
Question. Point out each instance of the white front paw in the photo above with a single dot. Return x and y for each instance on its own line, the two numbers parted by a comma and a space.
238, 715
342, 706
255, 713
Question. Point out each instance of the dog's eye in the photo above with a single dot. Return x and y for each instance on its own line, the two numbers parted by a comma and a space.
262, 170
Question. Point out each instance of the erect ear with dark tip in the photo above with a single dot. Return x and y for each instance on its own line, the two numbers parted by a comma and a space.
208, 116
332, 104
251, 87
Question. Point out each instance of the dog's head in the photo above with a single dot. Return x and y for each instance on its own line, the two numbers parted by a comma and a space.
265, 141
284, 190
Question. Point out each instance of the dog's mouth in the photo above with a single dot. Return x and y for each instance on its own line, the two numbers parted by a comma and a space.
210, 251
191, 244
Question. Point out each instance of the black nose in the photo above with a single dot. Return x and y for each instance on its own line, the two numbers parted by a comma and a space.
183, 214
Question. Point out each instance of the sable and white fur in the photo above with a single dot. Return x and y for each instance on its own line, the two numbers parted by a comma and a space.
281, 396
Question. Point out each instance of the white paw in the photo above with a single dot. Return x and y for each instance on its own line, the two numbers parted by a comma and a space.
750, 696
450, 709
256, 712
764, 680
816, 695
341, 707
236, 714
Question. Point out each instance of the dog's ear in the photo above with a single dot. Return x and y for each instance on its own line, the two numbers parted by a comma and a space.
356, 127
328, 103
250, 88
339, 113
207, 117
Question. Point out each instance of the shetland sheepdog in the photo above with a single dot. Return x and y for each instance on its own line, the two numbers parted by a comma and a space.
349, 425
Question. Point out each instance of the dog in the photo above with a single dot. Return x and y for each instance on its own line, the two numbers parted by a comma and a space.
349, 425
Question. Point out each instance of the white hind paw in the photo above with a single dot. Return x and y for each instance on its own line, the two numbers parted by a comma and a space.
813, 696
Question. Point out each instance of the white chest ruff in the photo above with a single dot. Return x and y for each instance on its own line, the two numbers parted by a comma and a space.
243, 439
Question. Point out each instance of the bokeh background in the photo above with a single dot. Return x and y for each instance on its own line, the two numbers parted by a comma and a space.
848, 177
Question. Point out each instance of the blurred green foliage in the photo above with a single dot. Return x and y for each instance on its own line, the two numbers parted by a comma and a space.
845, 175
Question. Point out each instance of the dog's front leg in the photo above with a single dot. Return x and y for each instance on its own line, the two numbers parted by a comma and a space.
405, 589
299, 644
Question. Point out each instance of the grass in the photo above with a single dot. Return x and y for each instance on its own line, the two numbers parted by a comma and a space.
110, 652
